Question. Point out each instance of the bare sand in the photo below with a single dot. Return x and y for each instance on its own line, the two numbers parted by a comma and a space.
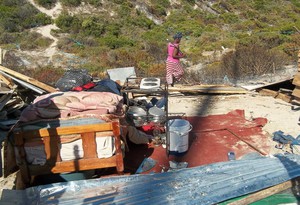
280, 114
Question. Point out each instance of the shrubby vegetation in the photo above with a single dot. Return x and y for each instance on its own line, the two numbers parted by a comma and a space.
16, 16
125, 36
46, 3
71, 2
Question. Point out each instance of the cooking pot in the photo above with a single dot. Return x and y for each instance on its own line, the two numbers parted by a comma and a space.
136, 115
156, 115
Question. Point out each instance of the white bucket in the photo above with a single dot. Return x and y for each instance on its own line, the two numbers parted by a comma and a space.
178, 136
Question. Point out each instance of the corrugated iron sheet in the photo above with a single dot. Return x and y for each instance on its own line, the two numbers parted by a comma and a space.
208, 184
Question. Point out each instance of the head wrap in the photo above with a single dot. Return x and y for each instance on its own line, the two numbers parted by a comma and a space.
177, 35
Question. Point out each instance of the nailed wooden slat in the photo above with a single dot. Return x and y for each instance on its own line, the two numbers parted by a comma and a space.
52, 149
284, 97
89, 145
28, 79
7, 81
275, 94
296, 92
66, 130
119, 155
74, 165
296, 80
267, 92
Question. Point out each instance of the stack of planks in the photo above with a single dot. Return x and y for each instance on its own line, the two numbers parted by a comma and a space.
283, 94
296, 82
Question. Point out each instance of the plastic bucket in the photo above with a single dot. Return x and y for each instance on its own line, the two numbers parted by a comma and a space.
178, 131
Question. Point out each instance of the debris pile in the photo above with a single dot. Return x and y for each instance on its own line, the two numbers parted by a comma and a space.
16, 92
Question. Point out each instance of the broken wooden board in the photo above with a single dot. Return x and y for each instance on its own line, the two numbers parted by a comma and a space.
275, 94
28, 79
296, 92
208, 89
296, 80
9, 82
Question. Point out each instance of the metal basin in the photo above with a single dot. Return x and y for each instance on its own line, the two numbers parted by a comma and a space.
156, 115
136, 115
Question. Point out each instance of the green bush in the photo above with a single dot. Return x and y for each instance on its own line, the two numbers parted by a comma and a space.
94, 2
142, 22
39, 19
6, 38
47, 3
114, 42
118, 1
230, 18
296, 3
158, 10
74, 3
68, 23
93, 26
113, 29
17, 17
32, 40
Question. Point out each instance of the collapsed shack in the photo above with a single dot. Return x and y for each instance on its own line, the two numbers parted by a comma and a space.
176, 187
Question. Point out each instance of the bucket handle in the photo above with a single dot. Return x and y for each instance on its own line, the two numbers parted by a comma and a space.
182, 133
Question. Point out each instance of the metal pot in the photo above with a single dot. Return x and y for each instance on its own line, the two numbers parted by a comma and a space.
136, 115
156, 115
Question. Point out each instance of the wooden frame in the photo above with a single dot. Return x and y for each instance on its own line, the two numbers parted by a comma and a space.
54, 163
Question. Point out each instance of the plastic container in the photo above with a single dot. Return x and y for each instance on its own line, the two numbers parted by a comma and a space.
231, 156
178, 136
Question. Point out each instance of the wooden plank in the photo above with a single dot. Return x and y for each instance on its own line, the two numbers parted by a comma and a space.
209, 89
296, 80
89, 145
296, 92
119, 155
275, 94
263, 194
268, 92
7, 81
28, 79
284, 97
52, 149
64, 130
73, 165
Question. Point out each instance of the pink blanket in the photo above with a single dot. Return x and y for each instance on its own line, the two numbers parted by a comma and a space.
68, 104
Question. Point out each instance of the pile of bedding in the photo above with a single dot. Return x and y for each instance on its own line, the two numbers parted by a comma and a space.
72, 103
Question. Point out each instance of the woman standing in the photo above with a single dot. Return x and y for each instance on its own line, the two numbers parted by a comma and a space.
174, 70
